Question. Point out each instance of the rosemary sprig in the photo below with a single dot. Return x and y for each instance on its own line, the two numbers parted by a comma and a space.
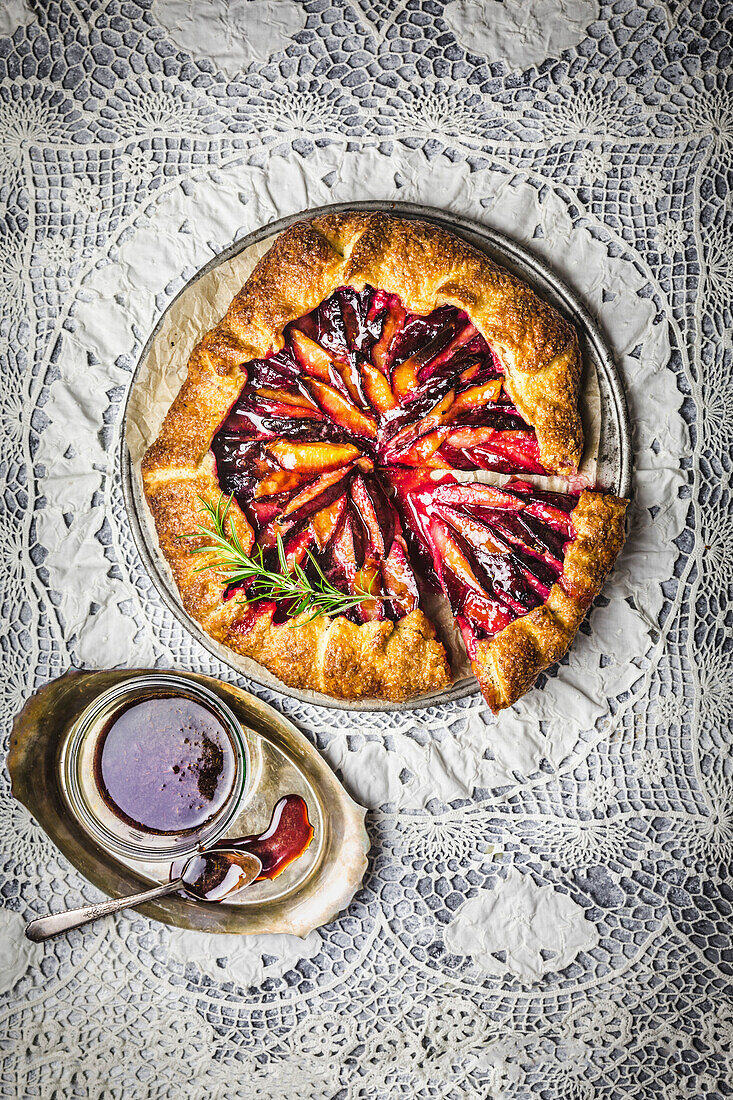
235, 566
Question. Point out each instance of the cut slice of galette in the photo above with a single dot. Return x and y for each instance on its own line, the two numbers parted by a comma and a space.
363, 350
520, 566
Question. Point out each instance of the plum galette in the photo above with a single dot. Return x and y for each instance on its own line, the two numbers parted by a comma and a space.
304, 485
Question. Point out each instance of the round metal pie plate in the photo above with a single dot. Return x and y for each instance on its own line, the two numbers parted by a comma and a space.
614, 446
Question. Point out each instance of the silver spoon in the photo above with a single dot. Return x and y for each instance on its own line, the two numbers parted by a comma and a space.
206, 876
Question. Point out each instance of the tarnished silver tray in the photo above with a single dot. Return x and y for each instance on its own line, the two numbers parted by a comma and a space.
309, 893
609, 430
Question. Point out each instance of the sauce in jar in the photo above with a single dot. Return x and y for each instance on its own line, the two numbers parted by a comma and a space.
165, 764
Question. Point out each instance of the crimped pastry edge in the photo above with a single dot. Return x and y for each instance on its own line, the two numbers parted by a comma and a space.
392, 661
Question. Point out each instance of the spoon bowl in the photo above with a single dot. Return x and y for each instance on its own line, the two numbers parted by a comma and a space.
214, 875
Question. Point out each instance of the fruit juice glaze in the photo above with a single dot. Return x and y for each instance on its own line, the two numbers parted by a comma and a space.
360, 390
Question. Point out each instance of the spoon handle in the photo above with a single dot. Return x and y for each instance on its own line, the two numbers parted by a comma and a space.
44, 927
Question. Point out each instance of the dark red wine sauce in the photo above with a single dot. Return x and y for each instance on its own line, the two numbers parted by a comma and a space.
284, 840
215, 874
165, 764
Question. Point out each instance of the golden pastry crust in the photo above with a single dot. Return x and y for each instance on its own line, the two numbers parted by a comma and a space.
508, 664
426, 267
382, 660
174, 496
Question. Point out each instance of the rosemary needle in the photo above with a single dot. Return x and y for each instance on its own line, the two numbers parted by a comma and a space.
236, 566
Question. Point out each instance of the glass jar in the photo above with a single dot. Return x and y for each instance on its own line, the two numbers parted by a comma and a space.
85, 791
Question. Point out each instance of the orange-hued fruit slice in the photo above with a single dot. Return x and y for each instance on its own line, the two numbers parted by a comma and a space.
309, 458
453, 557
476, 396
279, 481
423, 452
377, 389
404, 378
315, 488
314, 358
342, 410
287, 397
325, 522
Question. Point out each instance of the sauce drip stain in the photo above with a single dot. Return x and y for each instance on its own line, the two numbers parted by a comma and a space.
284, 840
165, 764
220, 871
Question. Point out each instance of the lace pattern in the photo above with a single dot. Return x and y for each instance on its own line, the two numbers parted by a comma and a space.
547, 910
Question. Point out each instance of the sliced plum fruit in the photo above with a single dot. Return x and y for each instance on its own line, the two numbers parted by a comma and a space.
375, 512
364, 395
326, 521
494, 558
361, 369
311, 457
377, 389
342, 410
316, 361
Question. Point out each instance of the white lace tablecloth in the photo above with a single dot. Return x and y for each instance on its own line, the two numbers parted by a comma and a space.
548, 906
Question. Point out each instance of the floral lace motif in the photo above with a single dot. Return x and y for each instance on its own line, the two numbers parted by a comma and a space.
547, 910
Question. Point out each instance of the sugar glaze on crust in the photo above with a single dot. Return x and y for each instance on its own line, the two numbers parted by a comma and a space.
508, 664
426, 267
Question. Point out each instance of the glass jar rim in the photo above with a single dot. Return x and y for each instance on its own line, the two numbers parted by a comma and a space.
107, 702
